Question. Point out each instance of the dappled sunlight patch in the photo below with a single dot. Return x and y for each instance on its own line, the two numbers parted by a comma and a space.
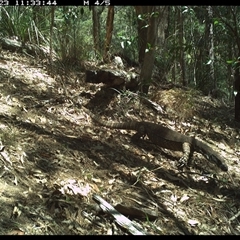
72, 187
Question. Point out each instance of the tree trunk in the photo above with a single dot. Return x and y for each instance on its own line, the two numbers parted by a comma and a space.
142, 22
237, 89
149, 56
181, 44
174, 66
211, 48
109, 29
148, 20
51, 33
96, 12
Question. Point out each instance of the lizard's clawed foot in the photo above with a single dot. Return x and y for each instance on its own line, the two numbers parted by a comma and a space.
181, 163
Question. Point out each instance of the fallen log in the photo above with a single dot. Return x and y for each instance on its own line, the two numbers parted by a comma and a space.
113, 78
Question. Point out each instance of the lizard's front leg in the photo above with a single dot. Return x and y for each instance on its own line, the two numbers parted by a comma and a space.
184, 160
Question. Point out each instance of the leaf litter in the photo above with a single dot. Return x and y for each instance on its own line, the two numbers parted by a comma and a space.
54, 159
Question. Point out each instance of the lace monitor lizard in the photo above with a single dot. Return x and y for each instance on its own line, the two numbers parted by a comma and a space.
166, 138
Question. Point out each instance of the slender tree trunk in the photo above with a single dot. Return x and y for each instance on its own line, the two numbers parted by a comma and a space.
229, 69
237, 89
181, 43
142, 22
109, 29
174, 68
96, 12
51, 33
211, 48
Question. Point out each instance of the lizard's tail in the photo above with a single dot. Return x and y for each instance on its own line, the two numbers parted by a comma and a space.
210, 154
132, 125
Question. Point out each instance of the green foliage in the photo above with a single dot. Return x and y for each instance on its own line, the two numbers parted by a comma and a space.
71, 43
15, 21
125, 35
196, 46
72, 38
19, 22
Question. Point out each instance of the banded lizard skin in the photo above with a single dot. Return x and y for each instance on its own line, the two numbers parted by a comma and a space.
166, 138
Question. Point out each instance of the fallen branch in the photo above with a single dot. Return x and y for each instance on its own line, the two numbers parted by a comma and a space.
121, 220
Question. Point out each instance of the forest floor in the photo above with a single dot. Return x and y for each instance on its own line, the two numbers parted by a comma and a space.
54, 158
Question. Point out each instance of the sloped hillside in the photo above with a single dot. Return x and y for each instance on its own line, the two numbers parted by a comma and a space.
54, 157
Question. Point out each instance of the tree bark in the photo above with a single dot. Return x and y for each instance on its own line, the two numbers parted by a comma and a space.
152, 16
109, 29
96, 12
237, 89
181, 43
211, 48
142, 22
51, 34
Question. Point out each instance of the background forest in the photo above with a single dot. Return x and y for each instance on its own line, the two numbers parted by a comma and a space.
173, 66
195, 45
